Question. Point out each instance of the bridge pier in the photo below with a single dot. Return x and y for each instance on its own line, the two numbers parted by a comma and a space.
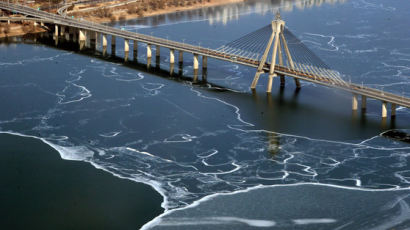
56, 31
270, 82
126, 49
104, 44
354, 102
87, 39
157, 56
364, 98
62, 30
393, 110
171, 56
82, 38
67, 34
256, 79
384, 109
135, 50
181, 57
204, 62
112, 45
149, 51
196, 64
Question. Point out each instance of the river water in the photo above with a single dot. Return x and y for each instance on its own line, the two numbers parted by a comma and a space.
190, 140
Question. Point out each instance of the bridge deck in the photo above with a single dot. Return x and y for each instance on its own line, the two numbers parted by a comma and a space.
280, 70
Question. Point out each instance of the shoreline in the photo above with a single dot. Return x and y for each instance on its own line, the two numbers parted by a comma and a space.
16, 29
40, 189
125, 16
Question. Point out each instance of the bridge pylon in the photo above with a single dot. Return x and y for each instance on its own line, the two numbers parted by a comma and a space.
277, 38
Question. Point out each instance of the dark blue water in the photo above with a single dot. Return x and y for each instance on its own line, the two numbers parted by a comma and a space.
191, 140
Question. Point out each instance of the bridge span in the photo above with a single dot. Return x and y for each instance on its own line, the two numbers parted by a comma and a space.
270, 50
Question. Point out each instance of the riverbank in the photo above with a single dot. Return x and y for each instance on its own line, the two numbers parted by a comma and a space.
39, 190
17, 29
130, 11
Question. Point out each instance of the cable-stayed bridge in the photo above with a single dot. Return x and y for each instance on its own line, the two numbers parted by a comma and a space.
273, 49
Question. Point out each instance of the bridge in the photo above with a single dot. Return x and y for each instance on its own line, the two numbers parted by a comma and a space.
272, 49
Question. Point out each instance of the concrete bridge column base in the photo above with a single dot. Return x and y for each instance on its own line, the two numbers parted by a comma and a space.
149, 51
282, 81
126, 49
256, 79
204, 62
270, 82
104, 44
384, 109
181, 57
135, 49
196, 64
364, 99
393, 110
112, 45
82, 38
297, 83
354, 102
171, 56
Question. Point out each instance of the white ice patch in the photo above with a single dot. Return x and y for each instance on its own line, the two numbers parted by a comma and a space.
179, 138
110, 134
314, 221
223, 220
76, 153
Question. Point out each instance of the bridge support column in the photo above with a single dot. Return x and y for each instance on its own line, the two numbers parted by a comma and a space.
126, 49
270, 81
62, 30
112, 45
297, 83
135, 50
393, 110
157, 51
149, 51
256, 79
384, 109
196, 64
82, 38
104, 44
354, 102
181, 57
171, 56
87, 39
67, 34
364, 102
56, 31
204, 62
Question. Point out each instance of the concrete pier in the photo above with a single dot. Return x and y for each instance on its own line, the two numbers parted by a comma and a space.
270, 81
113, 45
204, 62
56, 31
135, 50
149, 51
157, 51
384, 109
104, 44
82, 38
87, 39
126, 49
171, 56
364, 99
196, 64
393, 110
181, 57
354, 102
62, 30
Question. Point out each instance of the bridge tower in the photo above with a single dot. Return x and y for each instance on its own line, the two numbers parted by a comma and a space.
278, 26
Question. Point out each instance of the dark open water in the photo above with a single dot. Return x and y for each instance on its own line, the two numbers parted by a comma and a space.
190, 140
